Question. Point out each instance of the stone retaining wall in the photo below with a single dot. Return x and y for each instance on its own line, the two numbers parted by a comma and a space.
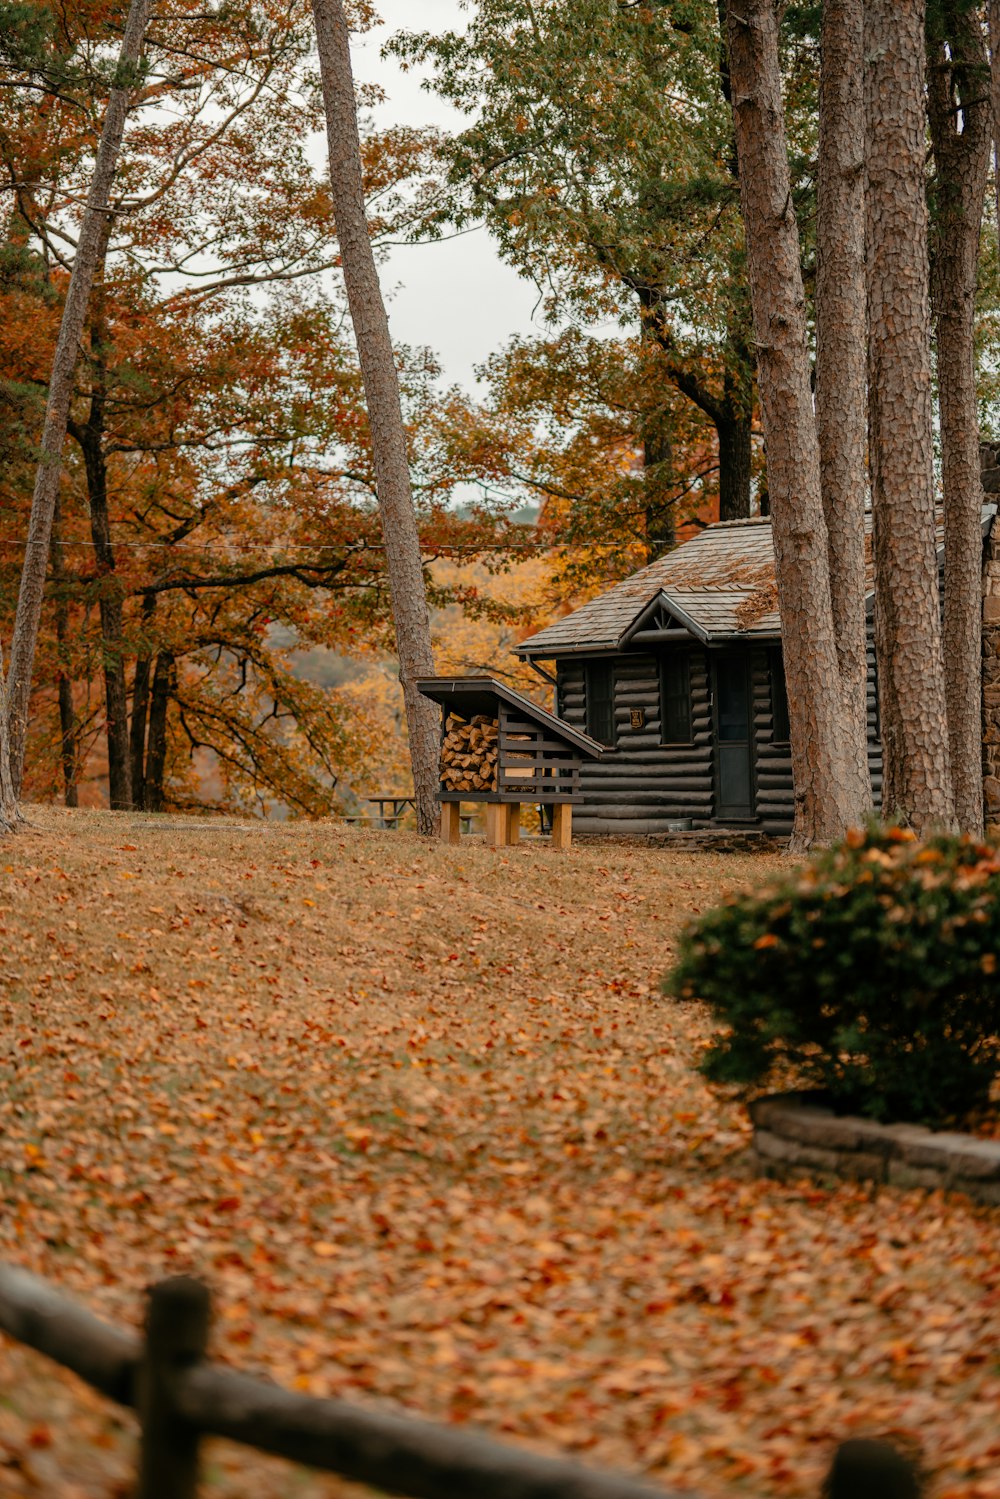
794, 1134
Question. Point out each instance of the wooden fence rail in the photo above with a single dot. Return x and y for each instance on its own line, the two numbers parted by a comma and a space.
180, 1397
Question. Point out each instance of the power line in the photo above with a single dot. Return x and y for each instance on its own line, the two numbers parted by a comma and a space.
349, 546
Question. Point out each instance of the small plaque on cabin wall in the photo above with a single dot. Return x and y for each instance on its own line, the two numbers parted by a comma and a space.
637, 718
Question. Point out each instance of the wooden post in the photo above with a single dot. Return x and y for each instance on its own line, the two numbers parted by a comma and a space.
177, 1317
451, 822
562, 824
862, 1467
513, 829
496, 824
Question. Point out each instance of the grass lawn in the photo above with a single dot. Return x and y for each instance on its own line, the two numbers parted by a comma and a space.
421, 1118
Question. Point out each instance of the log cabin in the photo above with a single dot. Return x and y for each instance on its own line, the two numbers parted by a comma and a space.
678, 672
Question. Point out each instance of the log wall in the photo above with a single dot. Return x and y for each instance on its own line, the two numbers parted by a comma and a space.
642, 786
775, 799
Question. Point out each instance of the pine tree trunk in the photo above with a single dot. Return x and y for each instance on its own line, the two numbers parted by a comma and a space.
917, 783
9, 814
381, 383
841, 328
735, 430
29, 603
822, 804
995, 92
958, 77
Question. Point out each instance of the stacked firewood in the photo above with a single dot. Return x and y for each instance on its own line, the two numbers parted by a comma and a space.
469, 754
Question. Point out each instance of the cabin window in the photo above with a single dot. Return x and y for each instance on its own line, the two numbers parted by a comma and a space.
780, 732
675, 698
600, 694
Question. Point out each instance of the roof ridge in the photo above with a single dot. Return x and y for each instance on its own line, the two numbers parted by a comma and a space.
730, 525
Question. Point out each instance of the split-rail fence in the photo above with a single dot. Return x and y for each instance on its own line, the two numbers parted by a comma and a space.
180, 1397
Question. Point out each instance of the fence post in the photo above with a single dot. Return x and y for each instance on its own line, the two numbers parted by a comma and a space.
177, 1317
867, 1469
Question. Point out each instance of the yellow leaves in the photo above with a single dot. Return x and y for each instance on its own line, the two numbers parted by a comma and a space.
324, 1250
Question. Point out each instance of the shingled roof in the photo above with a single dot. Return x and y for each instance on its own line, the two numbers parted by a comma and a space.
719, 586
721, 583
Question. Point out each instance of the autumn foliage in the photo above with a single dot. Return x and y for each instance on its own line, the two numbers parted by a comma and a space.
419, 1117
871, 972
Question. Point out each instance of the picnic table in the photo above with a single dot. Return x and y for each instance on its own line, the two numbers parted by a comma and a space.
397, 806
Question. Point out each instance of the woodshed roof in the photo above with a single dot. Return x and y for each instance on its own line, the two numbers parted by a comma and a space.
470, 695
719, 586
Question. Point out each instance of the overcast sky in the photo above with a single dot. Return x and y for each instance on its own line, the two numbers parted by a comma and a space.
456, 295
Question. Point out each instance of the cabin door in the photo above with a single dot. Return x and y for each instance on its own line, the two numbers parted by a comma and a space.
733, 736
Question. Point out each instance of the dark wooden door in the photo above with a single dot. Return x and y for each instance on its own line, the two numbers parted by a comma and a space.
733, 735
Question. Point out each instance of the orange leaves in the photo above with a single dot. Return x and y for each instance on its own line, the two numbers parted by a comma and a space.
546, 1228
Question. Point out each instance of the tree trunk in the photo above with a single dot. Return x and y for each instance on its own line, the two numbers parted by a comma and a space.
9, 814
137, 730
67, 715
736, 425
29, 603
381, 383
734, 466
164, 679
661, 524
958, 74
822, 805
91, 439
917, 780
995, 92
841, 329
140, 707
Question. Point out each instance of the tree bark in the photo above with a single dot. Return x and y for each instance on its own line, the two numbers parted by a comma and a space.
841, 329
917, 783
735, 452
995, 92
91, 440
958, 77
164, 679
381, 383
661, 524
9, 814
822, 803
735, 426
29, 603
140, 707
67, 715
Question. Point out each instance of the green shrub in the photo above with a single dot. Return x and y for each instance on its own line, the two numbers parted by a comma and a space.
871, 973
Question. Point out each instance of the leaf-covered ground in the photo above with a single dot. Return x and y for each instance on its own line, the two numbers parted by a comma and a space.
421, 1118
